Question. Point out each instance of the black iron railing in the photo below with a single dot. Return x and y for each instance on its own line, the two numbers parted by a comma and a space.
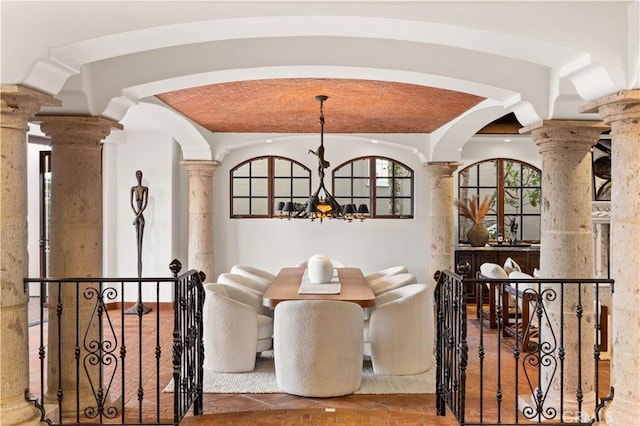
545, 364
100, 363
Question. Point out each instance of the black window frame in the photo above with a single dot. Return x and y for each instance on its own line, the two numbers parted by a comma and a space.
497, 210
270, 177
373, 196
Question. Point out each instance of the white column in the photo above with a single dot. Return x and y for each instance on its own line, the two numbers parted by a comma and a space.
200, 251
441, 213
622, 111
19, 104
566, 251
76, 246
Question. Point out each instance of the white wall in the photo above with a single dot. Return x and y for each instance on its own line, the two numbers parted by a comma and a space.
153, 153
274, 243
265, 243
483, 147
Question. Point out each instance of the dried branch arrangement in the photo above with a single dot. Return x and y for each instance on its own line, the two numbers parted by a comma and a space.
473, 209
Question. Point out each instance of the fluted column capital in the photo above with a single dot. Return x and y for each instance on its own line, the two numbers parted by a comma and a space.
201, 167
76, 129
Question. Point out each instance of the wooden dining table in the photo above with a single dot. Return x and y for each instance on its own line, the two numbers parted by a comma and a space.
353, 288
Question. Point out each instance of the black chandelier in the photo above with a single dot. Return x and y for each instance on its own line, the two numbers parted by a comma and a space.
321, 204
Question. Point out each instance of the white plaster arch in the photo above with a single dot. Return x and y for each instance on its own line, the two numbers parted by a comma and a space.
68, 59
252, 142
193, 144
447, 141
50, 74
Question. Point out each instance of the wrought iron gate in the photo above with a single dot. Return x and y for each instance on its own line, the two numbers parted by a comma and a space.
536, 360
107, 359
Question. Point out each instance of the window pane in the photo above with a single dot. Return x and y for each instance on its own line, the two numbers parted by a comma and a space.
512, 201
281, 167
512, 173
241, 187
342, 187
240, 206
343, 172
400, 171
282, 188
259, 167
468, 177
242, 170
383, 206
361, 187
491, 222
404, 206
301, 187
531, 228
531, 200
361, 168
259, 187
402, 187
384, 168
300, 171
259, 206
489, 192
488, 173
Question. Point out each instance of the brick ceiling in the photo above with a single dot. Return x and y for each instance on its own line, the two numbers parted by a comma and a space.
289, 106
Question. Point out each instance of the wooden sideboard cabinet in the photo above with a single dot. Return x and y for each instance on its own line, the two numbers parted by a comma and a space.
527, 257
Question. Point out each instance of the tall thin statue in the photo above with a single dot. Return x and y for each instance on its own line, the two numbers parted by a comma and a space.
139, 199
140, 195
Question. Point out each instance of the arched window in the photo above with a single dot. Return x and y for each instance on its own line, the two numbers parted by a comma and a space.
258, 182
516, 188
383, 184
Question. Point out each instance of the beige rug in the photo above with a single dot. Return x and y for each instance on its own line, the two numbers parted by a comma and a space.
263, 380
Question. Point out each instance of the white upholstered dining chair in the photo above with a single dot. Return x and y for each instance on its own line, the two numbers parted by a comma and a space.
237, 280
317, 347
254, 273
386, 272
399, 335
234, 330
385, 284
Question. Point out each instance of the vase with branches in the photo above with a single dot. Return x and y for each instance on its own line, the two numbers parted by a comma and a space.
475, 210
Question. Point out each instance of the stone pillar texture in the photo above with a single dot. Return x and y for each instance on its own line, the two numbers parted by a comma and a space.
18, 105
442, 238
566, 251
200, 248
76, 251
622, 111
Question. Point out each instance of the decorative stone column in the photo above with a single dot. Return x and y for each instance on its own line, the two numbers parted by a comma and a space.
200, 250
442, 241
19, 104
76, 249
622, 111
566, 251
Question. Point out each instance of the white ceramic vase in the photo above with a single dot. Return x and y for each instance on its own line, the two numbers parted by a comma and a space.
320, 269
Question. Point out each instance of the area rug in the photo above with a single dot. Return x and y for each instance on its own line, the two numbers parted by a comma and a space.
263, 380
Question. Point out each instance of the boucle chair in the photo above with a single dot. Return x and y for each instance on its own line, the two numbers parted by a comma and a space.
233, 329
254, 273
236, 280
392, 270
385, 284
399, 335
318, 347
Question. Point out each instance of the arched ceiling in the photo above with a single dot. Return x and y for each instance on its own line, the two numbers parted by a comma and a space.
289, 106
